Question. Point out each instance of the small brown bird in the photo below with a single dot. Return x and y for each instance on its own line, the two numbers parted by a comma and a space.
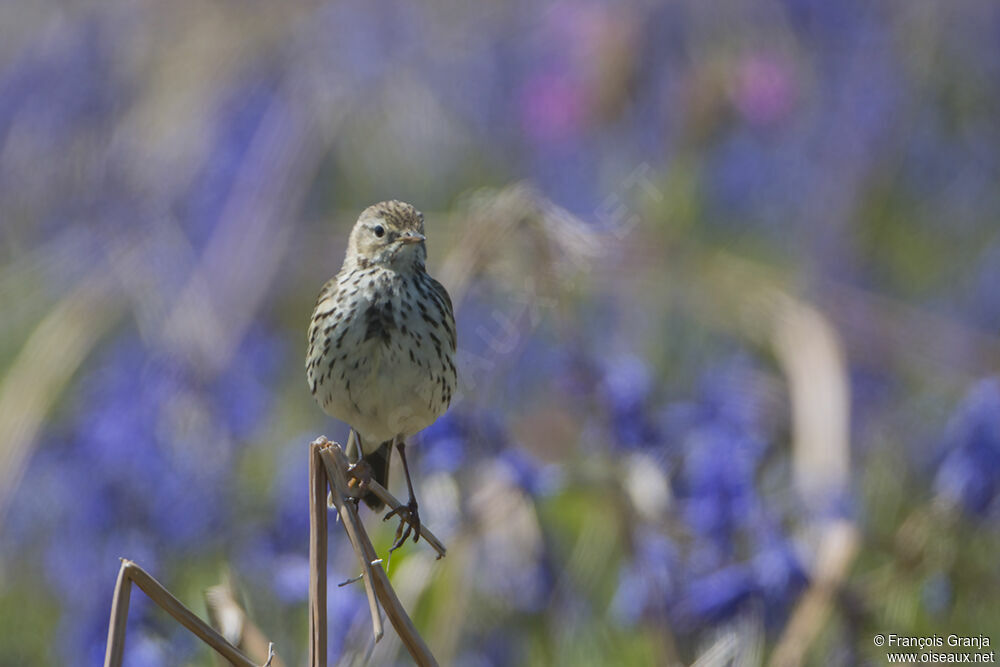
382, 344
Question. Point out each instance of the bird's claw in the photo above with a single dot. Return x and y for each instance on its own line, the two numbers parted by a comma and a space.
409, 523
361, 477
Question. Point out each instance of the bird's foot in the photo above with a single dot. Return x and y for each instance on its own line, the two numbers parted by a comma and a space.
409, 522
361, 476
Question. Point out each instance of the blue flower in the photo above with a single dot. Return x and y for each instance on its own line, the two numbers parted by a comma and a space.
242, 392
720, 440
969, 473
779, 576
238, 120
626, 390
738, 554
491, 649
443, 443
648, 580
141, 469
528, 473
715, 597
771, 580
716, 484
289, 525
461, 434
290, 574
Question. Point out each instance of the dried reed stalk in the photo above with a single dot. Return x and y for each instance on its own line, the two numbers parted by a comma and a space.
131, 573
352, 525
317, 557
334, 473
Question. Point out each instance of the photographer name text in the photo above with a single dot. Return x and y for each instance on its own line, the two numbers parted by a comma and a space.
938, 641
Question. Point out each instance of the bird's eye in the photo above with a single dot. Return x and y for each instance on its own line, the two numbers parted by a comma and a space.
379, 231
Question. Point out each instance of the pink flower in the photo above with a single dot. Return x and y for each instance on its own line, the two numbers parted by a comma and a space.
764, 90
552, 107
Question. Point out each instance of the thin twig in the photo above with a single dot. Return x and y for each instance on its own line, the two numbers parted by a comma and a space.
336, 466
317, 556
131, 573
352, 580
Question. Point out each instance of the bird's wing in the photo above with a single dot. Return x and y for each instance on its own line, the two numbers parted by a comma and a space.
449, 311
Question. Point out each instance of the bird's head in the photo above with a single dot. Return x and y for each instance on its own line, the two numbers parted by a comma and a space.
390, 234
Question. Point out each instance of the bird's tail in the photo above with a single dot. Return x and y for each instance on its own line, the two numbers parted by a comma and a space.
379, 462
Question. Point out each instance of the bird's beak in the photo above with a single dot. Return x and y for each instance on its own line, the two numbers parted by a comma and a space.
412, 237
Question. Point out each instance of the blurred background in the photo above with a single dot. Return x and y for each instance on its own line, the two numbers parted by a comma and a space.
727, 279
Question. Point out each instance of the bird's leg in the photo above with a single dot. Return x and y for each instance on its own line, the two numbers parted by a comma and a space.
360, 469
408, 513
352, 444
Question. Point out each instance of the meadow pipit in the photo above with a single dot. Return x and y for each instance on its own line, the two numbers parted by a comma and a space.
382, 344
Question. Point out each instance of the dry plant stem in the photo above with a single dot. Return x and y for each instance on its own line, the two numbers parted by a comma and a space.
810, 353
115, 650
317, 556
336, 464
838, 548
352, 524
131, 573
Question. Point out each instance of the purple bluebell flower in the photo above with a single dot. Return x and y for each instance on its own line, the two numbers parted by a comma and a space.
443, 444
141, 649
242, 394
492, 649
288, 529
462, 434
626, 391
769, 582
721, 444
969, 473
738, 555
648, 580
290, 576
527, 473
716, 483
714, 597
985, 302
239, 118
143, 471
779, 574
